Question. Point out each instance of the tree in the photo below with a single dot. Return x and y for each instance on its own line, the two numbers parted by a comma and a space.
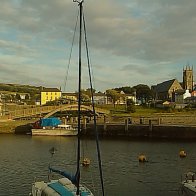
130, 105
143, 92
84, 96
18, 97
126, 89
27, 97
113, 94
88, 92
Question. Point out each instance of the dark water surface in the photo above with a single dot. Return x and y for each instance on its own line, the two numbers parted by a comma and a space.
22, 158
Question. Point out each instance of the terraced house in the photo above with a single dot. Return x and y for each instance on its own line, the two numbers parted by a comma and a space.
50, 94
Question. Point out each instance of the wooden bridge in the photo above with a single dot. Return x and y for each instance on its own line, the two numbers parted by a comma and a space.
48, 111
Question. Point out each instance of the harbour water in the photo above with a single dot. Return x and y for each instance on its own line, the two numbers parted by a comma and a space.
23, 157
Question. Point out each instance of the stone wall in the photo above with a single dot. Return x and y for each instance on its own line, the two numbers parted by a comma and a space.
144, 131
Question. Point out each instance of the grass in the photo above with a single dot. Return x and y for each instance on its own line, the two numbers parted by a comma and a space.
9, 126
120, 110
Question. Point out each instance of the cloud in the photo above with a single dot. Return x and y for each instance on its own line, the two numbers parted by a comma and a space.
130, 42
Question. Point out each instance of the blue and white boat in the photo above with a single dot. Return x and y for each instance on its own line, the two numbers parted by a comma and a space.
62, 186
68, 184
52, 127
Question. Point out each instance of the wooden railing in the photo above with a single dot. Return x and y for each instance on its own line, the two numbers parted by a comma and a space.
47, 110
166, 120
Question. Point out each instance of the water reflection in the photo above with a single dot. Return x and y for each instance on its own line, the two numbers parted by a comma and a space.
24, 157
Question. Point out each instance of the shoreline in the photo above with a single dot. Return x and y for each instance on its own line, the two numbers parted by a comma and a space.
10, 126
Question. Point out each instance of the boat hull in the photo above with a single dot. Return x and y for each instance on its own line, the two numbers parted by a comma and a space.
53, 132
189, 188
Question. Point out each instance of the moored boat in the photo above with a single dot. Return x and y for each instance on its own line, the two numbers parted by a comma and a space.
188, 185
62, 186
52, 127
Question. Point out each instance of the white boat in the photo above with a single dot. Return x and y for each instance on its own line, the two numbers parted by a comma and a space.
52, 127
188, 185
70, 184
60, 130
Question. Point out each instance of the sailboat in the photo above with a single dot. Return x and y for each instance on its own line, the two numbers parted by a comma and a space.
69, 184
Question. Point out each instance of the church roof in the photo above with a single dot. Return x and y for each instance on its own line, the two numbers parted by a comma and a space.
164, 86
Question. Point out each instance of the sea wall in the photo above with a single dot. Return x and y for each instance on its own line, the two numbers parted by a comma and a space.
143, 131
180, 131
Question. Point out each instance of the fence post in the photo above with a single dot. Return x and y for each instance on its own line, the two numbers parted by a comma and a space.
126, 125
104, 123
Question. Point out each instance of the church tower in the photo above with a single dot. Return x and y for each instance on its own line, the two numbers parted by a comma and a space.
188, 78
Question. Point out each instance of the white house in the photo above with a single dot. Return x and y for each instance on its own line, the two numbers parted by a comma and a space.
100, 98
131, 97
125, 97
181, 95
186, 94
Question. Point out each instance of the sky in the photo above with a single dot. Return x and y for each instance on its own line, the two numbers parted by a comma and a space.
130, 42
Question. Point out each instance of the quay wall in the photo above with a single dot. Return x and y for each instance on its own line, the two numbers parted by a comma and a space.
177, 131
143, 131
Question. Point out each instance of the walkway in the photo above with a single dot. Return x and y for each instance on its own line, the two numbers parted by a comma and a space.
47, 111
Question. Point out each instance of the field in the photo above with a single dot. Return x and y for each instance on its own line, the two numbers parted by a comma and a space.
120, 110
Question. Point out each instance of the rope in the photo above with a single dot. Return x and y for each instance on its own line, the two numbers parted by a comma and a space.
94, 113
70, 55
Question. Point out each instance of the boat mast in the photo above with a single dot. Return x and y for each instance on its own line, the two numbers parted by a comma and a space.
80, 4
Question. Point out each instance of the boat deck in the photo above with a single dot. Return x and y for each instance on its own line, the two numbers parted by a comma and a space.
60, 187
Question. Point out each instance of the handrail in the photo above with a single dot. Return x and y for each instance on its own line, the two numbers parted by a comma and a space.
49, 110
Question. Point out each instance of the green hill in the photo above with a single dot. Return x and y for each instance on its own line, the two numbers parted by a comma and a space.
19, 88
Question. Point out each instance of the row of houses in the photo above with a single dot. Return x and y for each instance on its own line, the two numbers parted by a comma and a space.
52, 94
55, 94
170, 91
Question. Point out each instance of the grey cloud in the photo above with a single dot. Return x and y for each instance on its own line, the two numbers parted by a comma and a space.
168, 31
14, 47
150, 32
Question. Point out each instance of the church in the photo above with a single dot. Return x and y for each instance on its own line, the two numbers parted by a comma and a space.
168, 90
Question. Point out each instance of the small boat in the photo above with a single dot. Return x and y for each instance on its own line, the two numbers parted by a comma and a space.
71, 184
188, 185
52, 127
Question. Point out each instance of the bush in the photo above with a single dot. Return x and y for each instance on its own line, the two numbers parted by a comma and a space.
131, 108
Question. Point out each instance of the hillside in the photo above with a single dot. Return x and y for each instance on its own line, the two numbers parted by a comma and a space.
19, 88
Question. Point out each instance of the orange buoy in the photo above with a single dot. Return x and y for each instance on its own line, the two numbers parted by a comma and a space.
142, 158
182, 154
86, 162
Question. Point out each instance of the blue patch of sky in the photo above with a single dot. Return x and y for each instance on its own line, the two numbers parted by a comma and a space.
16, 3
10, 34
136, 13
58, 50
